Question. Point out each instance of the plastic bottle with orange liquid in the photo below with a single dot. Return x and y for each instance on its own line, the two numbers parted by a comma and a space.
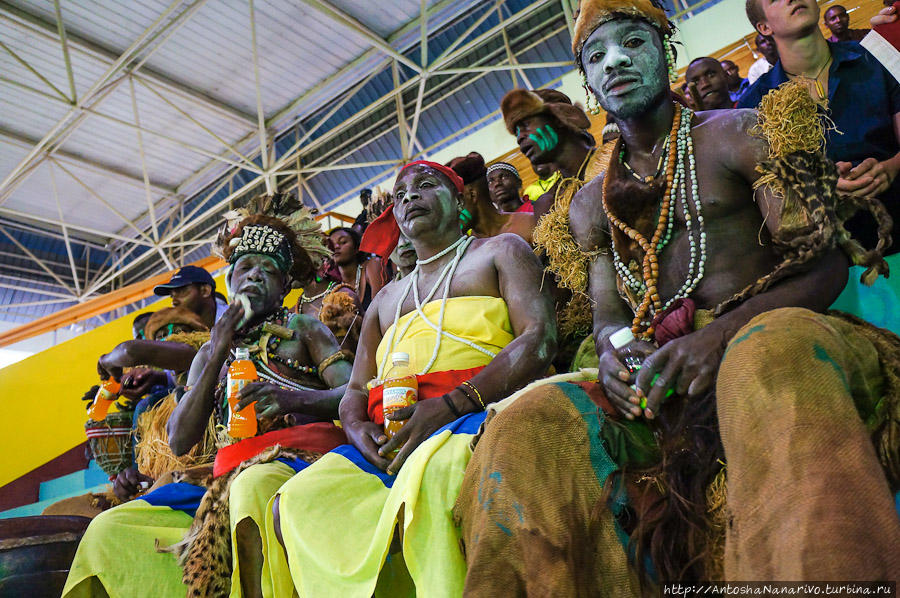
241, 372
105, 397
401, 389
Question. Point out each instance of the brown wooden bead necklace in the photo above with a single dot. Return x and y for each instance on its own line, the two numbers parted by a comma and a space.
650, 262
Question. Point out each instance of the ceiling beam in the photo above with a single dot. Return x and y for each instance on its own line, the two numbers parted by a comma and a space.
339, 16
48, 30
94, 166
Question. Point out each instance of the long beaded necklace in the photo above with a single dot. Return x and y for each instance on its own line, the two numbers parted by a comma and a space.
680, 165
445, 277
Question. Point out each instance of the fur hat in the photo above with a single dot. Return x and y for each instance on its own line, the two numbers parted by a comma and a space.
593, 13
522, 103
173, 315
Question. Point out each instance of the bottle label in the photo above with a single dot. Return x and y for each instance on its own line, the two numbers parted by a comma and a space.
397, 397
234, 387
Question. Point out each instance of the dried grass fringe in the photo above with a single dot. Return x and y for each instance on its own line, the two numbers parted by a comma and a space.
154, 457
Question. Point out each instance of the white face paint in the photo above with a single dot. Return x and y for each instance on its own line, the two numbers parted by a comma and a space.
625, 66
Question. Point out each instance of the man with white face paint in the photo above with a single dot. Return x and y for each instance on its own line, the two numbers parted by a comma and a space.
587, 489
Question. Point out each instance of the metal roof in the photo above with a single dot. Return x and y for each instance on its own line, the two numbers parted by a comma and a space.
128, 127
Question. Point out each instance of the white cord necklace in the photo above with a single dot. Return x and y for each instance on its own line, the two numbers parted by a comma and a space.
446, 276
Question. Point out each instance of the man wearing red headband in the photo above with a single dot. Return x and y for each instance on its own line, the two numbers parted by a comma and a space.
477, 326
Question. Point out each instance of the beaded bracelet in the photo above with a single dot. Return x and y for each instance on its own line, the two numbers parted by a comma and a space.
480, 404
451, 406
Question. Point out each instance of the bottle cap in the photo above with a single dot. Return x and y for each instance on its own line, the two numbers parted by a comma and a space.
242, 353
620, 338
399, 357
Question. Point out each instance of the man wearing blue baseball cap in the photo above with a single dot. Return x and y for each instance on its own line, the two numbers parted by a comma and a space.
194, 288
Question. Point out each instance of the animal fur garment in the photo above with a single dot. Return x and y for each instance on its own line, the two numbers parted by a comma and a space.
205, 552
522, 103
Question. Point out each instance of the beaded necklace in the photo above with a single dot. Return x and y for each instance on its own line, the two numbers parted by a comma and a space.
446, 276
305, 299
680, 167
263, 340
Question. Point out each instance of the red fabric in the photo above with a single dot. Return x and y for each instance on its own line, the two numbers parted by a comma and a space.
320, 437
890, 31
382, 235
433, 384
527, 207
674, 322
445, 170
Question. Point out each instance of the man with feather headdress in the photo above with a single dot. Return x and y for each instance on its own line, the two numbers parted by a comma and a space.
270, 246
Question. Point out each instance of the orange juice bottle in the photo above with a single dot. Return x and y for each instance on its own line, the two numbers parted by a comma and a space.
241, 372
401, 389
106, 396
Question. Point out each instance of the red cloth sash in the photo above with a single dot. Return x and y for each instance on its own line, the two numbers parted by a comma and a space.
320, 437
432, 384
527, 207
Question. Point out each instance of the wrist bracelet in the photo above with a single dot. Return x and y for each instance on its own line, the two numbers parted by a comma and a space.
480, 403
451, 406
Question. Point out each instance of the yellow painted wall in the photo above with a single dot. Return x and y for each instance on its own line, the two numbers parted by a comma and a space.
39, 396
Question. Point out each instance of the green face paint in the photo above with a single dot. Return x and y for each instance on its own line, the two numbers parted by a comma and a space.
465, 217
545, 138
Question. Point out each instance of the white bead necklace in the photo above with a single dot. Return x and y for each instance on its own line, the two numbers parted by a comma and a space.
685, 166
445, 277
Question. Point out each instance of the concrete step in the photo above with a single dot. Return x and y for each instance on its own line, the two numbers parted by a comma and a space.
37, 508
75, 482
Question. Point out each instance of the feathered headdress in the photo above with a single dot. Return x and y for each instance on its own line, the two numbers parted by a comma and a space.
279, 226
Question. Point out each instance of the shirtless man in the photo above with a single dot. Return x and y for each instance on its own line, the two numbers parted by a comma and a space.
759, 392
549, 130
478, 211
496, 305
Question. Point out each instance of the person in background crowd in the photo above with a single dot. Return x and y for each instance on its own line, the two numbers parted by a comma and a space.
404, 256
138, 324
549, 129
737, 85
838, 22
862, 97
505, 186
712, 83
362, 220
547, 175
765, 45
479, 214
359, 271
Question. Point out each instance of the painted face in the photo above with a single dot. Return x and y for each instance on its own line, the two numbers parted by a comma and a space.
788, 18
344, 246
404, 255
424, 201
712, 83
837, 19
538, 138
504, 187
258, 277
767, 48
625, 66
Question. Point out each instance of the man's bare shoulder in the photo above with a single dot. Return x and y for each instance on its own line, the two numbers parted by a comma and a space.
736, 126
586, 216
504, 242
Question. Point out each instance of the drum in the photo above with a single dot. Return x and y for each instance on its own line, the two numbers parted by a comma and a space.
36, 553
111, 442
